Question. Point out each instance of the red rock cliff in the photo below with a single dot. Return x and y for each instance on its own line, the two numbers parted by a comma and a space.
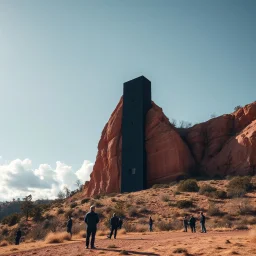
224, 145
168, 157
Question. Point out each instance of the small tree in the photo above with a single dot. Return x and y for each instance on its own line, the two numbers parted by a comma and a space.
37, 213
237, 107
61, 195
27, 206
66, 191
78, 183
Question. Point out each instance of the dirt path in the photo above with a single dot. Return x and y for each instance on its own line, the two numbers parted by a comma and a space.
154, 244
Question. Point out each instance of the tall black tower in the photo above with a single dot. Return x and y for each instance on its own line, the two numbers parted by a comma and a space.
136, 103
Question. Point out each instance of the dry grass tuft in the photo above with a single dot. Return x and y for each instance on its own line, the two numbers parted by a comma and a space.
122, 231
4, 243
59, 237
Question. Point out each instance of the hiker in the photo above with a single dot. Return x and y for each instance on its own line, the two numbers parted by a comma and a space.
202, 223
69, 225
192, 223
150, 224
120, 223
185, 224
91, 219
18, 236
114, 222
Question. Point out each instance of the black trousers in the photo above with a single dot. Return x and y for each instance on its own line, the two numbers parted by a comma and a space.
113, 229
90, 232
193, 228
185, 228
203, 229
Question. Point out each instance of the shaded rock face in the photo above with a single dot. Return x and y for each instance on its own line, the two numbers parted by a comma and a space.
168, 157
224, 145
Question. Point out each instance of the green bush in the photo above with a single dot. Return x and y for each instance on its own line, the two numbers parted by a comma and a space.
184, 204
239, 186
189, 185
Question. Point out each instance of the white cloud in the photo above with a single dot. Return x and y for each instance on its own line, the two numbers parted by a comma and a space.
84, 172
18, 179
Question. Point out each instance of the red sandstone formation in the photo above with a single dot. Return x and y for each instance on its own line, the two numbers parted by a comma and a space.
224, 145
168, 157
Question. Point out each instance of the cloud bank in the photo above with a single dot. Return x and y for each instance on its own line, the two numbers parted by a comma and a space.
18, 179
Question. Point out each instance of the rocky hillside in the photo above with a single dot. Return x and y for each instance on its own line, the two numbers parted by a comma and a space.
225, 145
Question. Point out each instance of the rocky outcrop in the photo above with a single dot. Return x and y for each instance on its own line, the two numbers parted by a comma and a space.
224, 145
168, 157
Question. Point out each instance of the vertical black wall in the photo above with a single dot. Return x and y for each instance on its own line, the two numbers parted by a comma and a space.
136, 103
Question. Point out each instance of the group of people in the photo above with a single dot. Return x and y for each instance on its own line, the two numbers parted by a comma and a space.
92, 219
192, 223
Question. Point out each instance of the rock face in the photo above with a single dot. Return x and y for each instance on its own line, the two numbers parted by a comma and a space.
168, 157
224, 145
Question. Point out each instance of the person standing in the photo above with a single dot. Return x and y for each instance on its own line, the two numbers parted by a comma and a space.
192, 223
150, 224
69, 225
185, 223
18, 236
91, 219
120, 223
202, 223
114, 222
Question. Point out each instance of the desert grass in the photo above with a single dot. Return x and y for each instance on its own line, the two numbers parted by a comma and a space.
58, 237
4, 243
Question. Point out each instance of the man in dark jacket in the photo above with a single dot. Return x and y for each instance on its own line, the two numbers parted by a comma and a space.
114, 222
202, 223
192, 223
185, 223
91, 219
69, 225
18, 236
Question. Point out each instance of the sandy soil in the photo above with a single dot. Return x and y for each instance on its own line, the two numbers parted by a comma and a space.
156, 243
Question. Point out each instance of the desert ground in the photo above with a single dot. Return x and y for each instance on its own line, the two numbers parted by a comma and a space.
156, 243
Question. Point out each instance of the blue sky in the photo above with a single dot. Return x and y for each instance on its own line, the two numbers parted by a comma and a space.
63, 64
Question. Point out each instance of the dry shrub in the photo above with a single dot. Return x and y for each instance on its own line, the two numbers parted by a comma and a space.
164, 225
77, 228
38, 232
132, 212
141, 228
206, 189
128, 227
245, 207
180, 250
85, 200
122, 231
252, 235
165, 198
213, 210
53, 238
4, 243
189, 185
239, 186
184, 204
160, 186
144, 210
60, 211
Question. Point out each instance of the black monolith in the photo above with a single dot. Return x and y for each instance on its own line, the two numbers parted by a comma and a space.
136, 103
